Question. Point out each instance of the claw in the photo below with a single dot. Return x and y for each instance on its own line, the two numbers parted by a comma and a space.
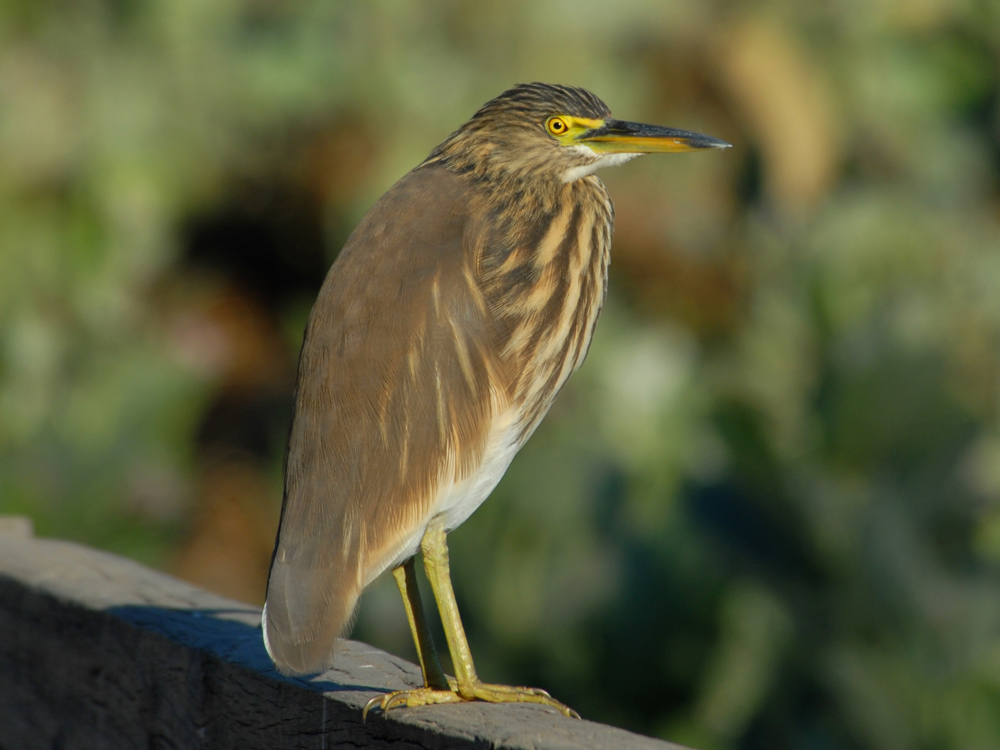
369, 706
393, 700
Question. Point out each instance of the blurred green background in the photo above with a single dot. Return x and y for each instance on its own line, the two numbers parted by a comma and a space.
765, 514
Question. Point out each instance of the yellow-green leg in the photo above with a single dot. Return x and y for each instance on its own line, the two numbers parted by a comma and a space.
435, 680
467, 685
406, 579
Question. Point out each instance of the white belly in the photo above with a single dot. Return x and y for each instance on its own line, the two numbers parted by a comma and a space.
457, 500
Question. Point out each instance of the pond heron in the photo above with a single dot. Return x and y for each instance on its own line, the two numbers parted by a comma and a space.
454, 314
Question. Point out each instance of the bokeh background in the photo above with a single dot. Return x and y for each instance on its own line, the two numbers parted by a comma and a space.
765, 514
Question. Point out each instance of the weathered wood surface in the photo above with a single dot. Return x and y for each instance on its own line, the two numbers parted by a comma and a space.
99, 652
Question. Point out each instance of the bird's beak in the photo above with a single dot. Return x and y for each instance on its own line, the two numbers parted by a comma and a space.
620, 137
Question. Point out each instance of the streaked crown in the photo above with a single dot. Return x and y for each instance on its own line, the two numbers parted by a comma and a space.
509, 135
530, 104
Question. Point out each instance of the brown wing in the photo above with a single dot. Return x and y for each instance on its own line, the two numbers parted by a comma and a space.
393, 393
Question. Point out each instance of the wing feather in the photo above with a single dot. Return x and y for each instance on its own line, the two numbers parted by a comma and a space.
393, 401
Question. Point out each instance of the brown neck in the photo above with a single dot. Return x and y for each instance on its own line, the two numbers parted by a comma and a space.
542, 267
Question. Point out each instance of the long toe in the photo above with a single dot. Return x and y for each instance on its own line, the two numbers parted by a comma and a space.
507, 694
424, 696
479, 691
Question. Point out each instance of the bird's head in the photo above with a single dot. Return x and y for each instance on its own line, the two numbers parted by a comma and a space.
561, 133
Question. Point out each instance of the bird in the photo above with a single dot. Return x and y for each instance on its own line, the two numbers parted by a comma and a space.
455, 312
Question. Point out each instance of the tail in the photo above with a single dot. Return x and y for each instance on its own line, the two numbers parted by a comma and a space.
307, 609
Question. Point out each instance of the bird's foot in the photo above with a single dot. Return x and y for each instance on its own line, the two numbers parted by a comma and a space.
478, 691
424, 696
483, 691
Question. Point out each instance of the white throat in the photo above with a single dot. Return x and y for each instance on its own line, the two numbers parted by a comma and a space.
602, 160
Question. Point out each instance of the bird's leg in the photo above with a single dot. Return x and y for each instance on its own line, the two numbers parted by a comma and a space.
406, 579
436, 687
468, 687
435, 549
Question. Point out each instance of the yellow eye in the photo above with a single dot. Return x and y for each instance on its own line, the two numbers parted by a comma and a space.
556, 125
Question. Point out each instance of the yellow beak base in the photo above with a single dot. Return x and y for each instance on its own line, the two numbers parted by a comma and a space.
620, 137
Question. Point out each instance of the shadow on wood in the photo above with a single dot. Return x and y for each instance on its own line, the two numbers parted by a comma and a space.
100, 652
